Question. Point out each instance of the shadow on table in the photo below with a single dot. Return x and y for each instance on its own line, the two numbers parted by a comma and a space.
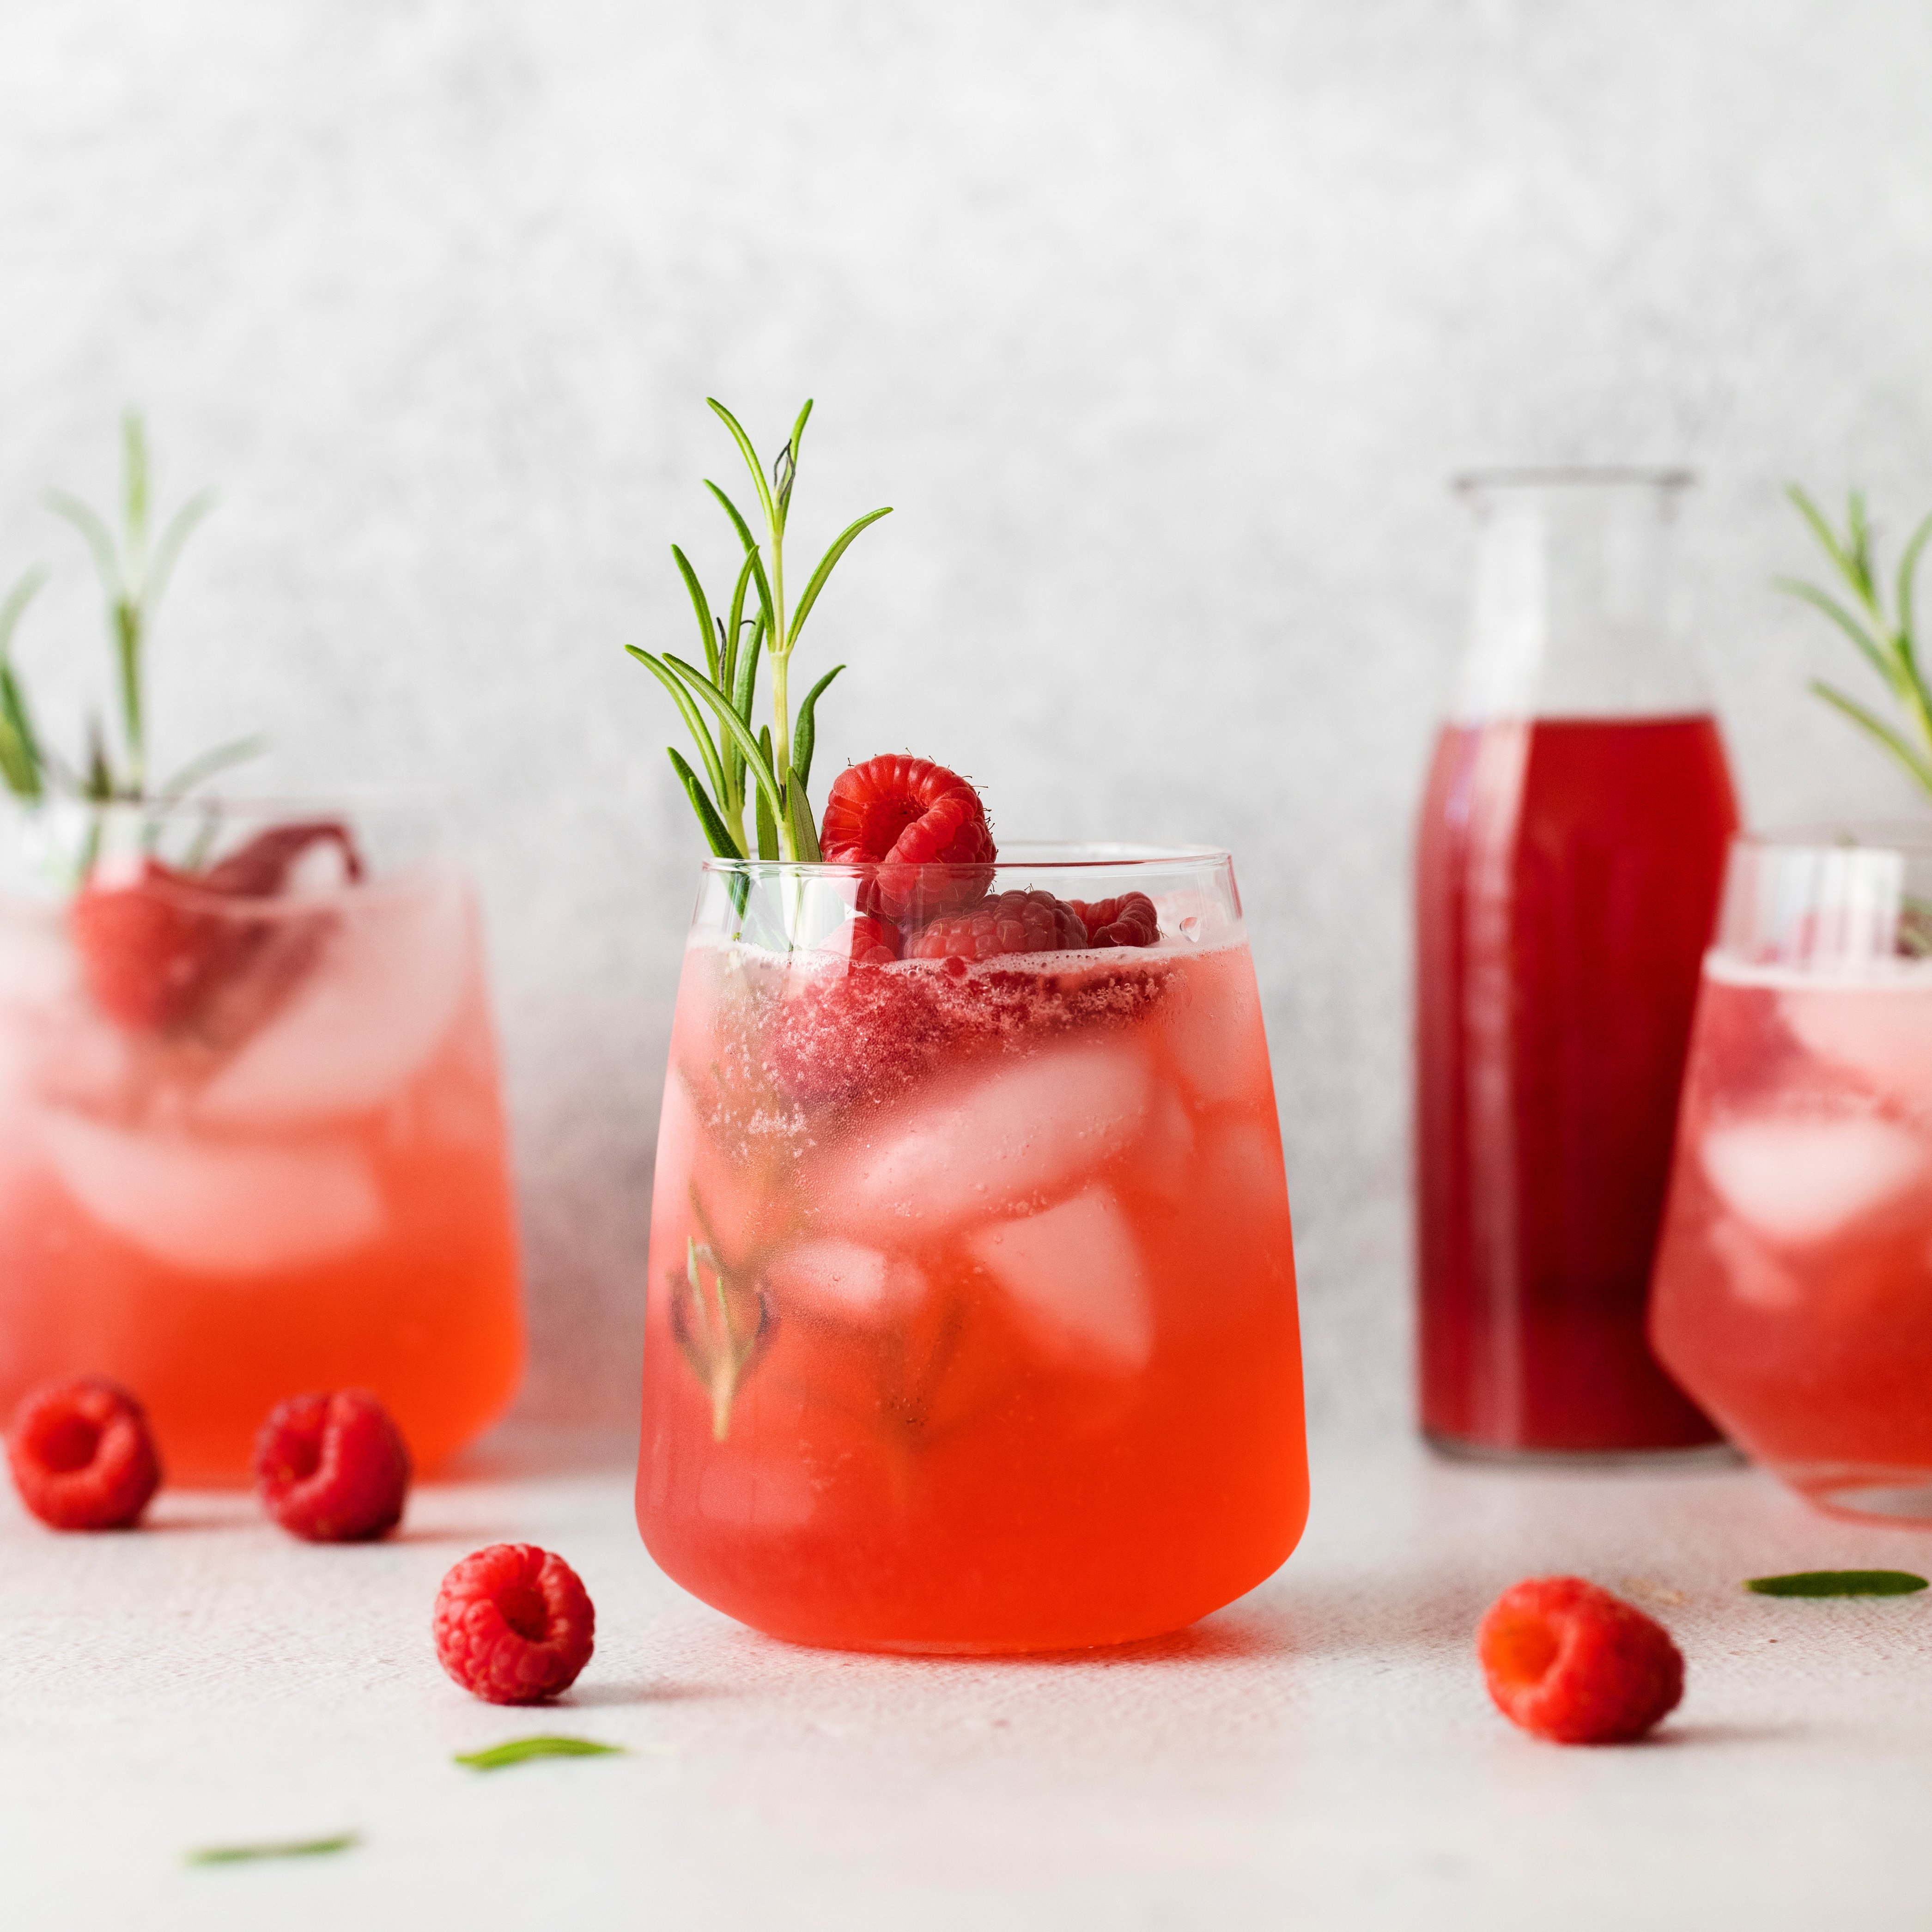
520, 1451
649, 1691
1349, 1616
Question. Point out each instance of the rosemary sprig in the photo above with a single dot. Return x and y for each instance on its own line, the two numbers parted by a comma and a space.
521, 1750
721, 1330
1886, 639
273, 1848
134, 568
769, 769
22, 764
1838, 1583
134, 576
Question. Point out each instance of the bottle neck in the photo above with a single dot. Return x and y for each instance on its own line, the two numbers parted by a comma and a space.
1572, 615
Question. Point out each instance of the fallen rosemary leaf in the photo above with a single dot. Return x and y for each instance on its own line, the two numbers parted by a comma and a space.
1838, 1583
520, 1750
283, 1848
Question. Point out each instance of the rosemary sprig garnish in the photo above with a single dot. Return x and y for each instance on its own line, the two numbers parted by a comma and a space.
1886, 639
134, 568
134, 577
720, 1329
770, 768
22, 764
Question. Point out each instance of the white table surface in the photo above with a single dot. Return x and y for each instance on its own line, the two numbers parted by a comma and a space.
1322, 1754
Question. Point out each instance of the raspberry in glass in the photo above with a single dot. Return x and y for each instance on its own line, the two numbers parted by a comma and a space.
155, 945
864, 940
1018, 921
514, 1624
83, 1457
1570, 1663
906, 817
1129, 920
332, 1468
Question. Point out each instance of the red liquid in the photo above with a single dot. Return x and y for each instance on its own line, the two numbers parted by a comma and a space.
1567, 875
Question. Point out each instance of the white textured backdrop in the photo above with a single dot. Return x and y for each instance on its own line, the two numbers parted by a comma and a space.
1161, 323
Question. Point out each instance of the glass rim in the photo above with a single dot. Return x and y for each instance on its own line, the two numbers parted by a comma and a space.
1032, 854
1573, 475
372, 807
348, 800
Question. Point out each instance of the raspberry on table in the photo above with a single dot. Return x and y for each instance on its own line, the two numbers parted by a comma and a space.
82, 1456
1019, 922
1569, 1662
332, 1468
1129, 920
921, 829
514, 1624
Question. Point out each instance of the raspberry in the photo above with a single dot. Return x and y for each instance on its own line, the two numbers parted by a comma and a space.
514, 1624
155, 947
921, 826
1013, 922
1573, 1663
866, 940
332, 1468
1130, 920
147, 954
83, 1457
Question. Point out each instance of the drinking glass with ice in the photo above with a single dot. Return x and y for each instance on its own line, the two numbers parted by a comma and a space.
251, 1135
971, 1317
1791, 1295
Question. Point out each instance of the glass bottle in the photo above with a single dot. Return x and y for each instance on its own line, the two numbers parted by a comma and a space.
1571, 849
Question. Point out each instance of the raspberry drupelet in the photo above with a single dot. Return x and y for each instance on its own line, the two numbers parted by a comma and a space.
514, 1624
1570, 1663
332, 1468
83, 1457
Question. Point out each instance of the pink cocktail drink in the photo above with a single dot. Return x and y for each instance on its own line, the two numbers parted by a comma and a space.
1793, 1290
251, 1142
971, 1318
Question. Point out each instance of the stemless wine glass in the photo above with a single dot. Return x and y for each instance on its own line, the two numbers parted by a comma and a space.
1793, 1291
971, 1319
251, 1136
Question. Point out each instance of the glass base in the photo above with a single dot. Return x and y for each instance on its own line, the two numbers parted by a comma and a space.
1718, 1455
971, 1647
1902, 1496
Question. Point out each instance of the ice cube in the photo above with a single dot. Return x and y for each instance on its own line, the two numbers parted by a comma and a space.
1074, 1275
1164, 1159
372, 1010
1244, 1158
1795, 1180
1756, 1277
694, 1176
1021, 1136
845, 1281
214, 1209
1883, 1033
1212, 1023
